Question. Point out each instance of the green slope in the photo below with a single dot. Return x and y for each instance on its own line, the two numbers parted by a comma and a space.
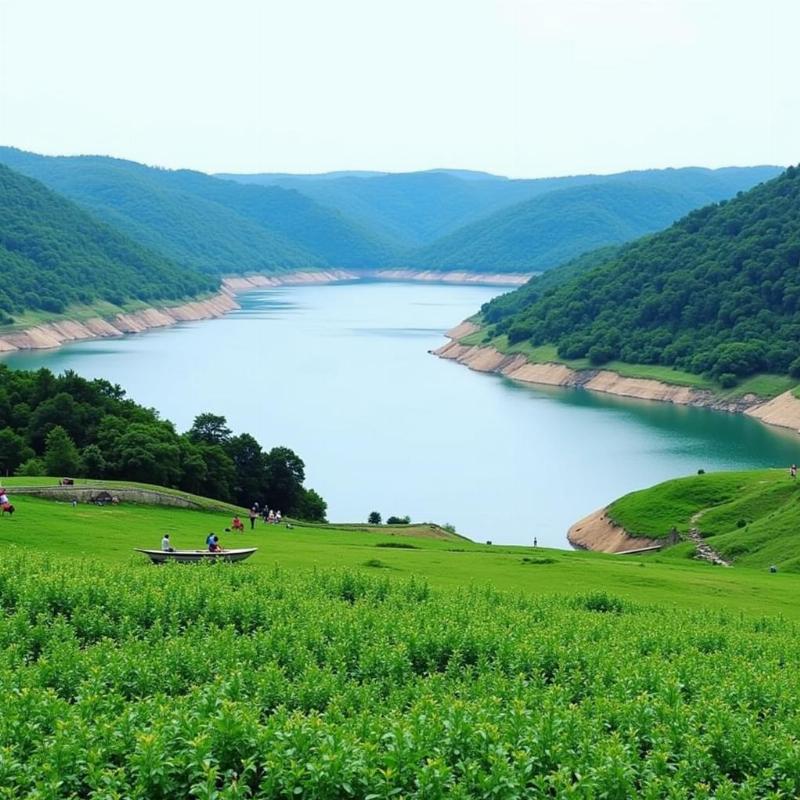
53, 255
549, 230
417, 208
108, 535
718, 293
752, 518
203, 222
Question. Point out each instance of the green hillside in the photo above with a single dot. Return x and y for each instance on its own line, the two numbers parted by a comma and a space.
54, 255
202, 222
415, 209
541, 233
716, 294
751, 518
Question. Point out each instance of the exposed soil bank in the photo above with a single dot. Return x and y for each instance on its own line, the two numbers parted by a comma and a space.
54, 334
597, 532
49, 335
783, 410
244, 283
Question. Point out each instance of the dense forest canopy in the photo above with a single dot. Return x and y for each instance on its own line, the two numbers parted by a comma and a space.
205, 223
440, 219
542, 233
53, 254
66, 425
414, 209
717, 293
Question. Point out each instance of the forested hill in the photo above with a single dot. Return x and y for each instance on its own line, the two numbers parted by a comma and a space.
53, 254
544, 232
717, 293
203, 222
417, 208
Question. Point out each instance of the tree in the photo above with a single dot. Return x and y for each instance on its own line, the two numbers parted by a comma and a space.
285, 473
399, 520
374, 518
311, 507
220, 477
93, 465
248, 461
210, 429
61, 456
13, 451
33, 467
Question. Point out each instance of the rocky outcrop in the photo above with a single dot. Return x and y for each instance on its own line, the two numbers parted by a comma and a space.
599, 533
783, 410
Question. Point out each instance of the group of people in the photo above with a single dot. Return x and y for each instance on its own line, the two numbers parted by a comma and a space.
268, 515
212, 543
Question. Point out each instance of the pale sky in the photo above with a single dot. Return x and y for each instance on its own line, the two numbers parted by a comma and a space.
524, 88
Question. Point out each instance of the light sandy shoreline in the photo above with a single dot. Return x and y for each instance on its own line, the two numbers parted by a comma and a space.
49, 335
782, 411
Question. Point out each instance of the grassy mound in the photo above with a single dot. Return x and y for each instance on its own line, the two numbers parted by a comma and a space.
142, 682
751, 517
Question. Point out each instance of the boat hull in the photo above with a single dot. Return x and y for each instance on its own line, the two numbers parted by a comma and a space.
197, 556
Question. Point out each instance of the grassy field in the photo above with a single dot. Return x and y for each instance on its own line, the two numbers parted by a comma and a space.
750, 517
107, 535
370, 662
763, 385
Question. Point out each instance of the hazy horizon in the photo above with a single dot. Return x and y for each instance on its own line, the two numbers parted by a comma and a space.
520, 88
384, 172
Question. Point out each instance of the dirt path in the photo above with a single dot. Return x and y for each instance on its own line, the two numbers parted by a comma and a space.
704, 550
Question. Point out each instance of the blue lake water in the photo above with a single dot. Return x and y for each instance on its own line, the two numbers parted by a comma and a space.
342, 375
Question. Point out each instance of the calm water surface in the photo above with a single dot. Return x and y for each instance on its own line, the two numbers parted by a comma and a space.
342, 375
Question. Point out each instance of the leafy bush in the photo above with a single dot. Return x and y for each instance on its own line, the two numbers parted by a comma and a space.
601, 601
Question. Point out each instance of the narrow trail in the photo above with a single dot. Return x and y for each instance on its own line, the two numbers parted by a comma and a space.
704, 551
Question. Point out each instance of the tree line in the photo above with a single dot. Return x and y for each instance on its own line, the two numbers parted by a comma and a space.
65, 426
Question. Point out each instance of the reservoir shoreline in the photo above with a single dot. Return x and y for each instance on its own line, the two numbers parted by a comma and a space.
58, 332
782, 411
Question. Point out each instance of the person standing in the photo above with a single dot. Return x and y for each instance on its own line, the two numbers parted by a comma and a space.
793, 471
253, 517
166, 545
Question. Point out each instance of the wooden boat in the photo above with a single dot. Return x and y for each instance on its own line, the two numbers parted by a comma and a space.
196, 556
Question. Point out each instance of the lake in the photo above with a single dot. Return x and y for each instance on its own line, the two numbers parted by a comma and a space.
342, 375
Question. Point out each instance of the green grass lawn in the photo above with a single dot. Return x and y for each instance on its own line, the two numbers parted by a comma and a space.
763, 385
109, 534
